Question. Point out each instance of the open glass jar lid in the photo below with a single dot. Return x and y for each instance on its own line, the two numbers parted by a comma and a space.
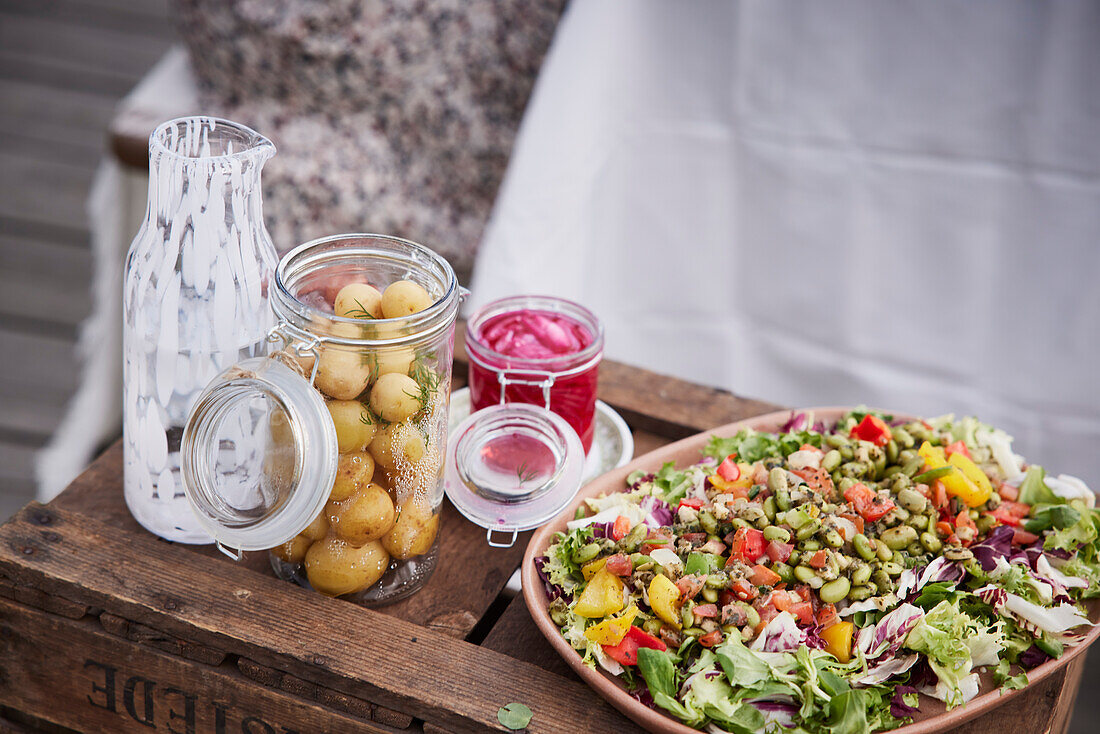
512, 467
258, 455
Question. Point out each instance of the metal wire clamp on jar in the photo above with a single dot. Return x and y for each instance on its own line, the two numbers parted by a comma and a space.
344, 434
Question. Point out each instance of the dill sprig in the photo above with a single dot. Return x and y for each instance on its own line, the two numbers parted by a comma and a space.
525, 475
359, 313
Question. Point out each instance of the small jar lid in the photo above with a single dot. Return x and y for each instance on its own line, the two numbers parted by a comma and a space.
513, 467
258, 456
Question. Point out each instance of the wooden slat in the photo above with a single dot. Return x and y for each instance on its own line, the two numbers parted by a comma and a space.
145, 17
45, 282
443, 605
34, 366
63, 74
516, 635
330, 642
58, 116
52, 193
99, 690
127, 55
30, 418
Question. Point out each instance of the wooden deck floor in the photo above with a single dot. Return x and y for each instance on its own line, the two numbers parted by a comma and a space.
64, 65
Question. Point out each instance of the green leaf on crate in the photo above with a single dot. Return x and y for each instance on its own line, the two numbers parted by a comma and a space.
514, 716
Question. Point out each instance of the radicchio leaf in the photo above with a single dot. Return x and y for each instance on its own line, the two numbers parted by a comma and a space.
997, 544
899, 709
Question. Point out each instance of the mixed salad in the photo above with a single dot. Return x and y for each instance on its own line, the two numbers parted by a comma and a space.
818, 578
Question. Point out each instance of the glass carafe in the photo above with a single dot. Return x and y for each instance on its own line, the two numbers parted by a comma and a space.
195, 301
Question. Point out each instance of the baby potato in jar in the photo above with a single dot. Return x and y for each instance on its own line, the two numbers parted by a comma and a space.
353, 472
415, 530
397, 443
393, 361
318, 528
354, 424
358, 301
343, 372
335, 567
294, 550
395, 397
404, 298
366, 515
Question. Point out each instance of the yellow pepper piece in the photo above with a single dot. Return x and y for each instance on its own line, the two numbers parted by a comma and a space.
838, 640
589, 569
958, 483
664, 598
602, 596
979, 488
612, 630
932, 455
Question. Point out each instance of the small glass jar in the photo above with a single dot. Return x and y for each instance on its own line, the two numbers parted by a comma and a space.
330, 452
539, 350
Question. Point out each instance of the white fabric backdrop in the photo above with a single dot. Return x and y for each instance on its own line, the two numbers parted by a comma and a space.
822, 203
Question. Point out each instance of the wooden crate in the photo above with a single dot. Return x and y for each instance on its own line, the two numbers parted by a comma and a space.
104, 627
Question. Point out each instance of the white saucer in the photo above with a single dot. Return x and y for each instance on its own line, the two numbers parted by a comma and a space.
612, 444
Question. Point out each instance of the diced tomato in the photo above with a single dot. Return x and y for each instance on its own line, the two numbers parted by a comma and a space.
626, 652
819, 559
958, 447
963, 520
810, 447
748, 544
873, 429
944, 528
767, 613
779, 552
1023, 537
657, 539
744, 590
817, 480
711, 639
804, 591
706, 611
855, 518
689, 586
1008, 492
965, 528
1019, 509
695, 538
729, 470
763, 576
620, 527
725, 598
939, 495
693, 502
1005, 517
867, 503
781, 600
827, 615
803, 611
619, 565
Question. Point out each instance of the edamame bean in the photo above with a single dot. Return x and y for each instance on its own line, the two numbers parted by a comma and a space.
652, 626
717, 580
861, 575
708, 523
847, 453
855, 469
912, 467
903, 437
770, 508
930, 542
777, 534
893, 569
777, 479
794, 557
783, 499
901, 481
833, 538
920, 522
587, 552
898, 537
710, 595
845, 484
985, 523
808, 530
863, 547
836, 440
914, 549
912, 500
892, 451
804, 574
810, 546
859, 593
836, 590
831, 460
882, 581
883, 551
785, 572
687, 615
892, 471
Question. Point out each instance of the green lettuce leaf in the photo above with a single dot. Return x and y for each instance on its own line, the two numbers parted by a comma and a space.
1034, 491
